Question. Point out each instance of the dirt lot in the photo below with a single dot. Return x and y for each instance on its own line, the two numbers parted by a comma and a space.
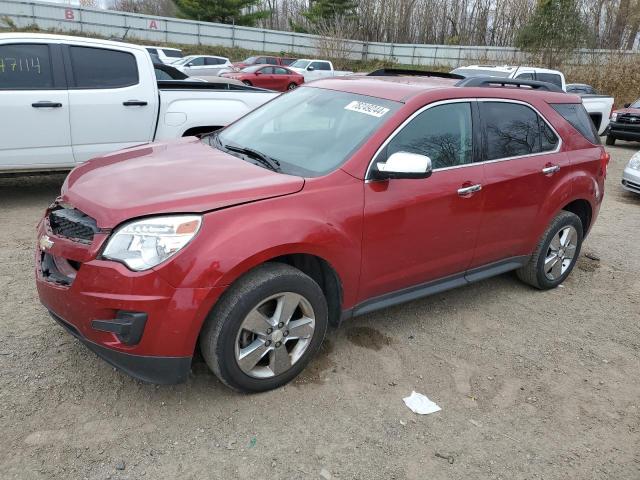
532, 385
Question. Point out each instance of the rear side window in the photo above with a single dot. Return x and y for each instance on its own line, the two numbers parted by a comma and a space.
102, 68
577, 116
272, 61
172, 53
280, 71
553, 78
321, 66
214, 61
525, 76
153, 50
513, 130
25, 67
442, 133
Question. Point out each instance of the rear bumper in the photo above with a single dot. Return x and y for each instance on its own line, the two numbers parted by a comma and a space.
152, 369
624, 131
631, 180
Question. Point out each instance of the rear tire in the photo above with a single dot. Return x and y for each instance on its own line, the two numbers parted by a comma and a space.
610, 140
292, 86
249, 323
553, 259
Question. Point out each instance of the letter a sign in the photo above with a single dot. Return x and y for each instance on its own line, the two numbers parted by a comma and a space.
153, 25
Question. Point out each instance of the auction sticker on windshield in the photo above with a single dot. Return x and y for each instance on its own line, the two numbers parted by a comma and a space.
367, 108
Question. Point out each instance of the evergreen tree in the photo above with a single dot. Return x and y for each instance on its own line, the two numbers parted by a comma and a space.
556, 28
240, 12
328, 11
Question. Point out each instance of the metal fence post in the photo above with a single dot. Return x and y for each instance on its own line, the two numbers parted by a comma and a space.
233, 35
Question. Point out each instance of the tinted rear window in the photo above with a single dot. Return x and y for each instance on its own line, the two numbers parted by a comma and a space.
25, 67
101, 68
577, 116
553, 78
172, 53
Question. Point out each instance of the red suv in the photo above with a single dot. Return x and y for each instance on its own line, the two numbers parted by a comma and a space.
333, 200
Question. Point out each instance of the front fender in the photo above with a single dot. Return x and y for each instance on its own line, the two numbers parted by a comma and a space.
324, 222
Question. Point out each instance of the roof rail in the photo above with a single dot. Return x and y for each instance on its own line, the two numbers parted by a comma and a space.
402, 72
508, 82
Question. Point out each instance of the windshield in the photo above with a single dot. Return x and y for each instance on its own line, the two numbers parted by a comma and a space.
249, 60
300, 64
473, 72
635, 104
184, 60
309, 131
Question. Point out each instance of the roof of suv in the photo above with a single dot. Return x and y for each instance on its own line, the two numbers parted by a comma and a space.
404, 88
397, 88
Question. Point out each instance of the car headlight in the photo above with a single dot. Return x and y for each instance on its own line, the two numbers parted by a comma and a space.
143, 244
614, 116
635, 162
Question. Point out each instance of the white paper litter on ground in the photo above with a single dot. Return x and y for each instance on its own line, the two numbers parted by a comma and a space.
420, 404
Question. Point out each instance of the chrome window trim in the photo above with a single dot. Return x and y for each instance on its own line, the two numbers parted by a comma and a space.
467, 100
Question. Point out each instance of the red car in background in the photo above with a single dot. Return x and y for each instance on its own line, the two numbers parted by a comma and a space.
267, 76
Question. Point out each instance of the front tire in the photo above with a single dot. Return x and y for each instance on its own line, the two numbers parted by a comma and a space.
556, 253
265, 329
247, 82
610, 140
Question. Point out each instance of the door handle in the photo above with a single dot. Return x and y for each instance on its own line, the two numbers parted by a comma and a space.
465, 191
550, 169
134, 103
46, 104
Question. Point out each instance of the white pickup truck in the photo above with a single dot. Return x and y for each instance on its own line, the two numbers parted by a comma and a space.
67, 99
314, 69
599, 107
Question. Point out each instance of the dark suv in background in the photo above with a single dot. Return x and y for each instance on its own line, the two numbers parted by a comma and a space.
625, 124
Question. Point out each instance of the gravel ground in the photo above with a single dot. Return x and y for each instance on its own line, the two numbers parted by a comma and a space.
531, 384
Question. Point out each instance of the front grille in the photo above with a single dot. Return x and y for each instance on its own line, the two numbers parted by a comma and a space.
628, 118
73, 224
58, 270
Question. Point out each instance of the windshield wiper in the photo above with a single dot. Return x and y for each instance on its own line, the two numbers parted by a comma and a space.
270, 163
267, 161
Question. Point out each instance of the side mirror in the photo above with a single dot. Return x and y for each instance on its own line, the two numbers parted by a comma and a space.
258, 72
627, 105
404, 165
310, 68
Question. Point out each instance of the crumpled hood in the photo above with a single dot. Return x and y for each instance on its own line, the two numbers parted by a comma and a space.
176, 177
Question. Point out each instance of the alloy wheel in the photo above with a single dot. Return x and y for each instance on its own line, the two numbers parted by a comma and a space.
274, 335
560, 253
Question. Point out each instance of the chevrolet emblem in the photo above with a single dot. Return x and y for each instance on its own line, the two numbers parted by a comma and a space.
45, 243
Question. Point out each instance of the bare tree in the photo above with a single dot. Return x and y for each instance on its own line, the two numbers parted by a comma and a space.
147, 7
